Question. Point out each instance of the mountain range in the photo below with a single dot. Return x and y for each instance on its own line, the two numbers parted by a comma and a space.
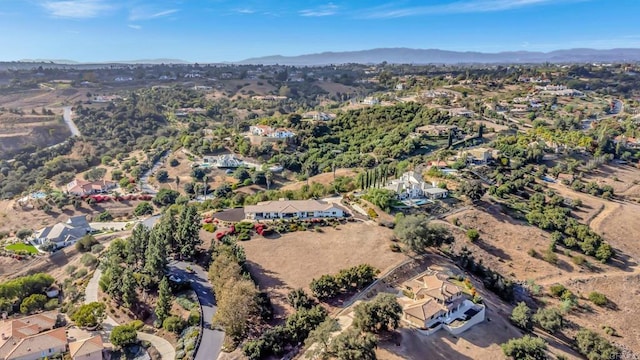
435, 56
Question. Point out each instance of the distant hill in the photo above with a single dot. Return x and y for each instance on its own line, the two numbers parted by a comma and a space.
434, 56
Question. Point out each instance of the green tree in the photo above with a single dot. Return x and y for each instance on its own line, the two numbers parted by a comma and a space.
354, 345
525, 348
598, 298
299, 299
162, 176
303, 321
236, 306
129, 294
123, 335
549, 319
165, 197
188, 232
32, 303
156, 254
415, 232
163, 306
325, 287
380, 314
521, 316
144, 208
472, 190
595, 347
90, 314
473, 234
321, 337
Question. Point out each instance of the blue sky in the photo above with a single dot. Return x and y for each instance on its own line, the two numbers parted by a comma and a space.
230, 30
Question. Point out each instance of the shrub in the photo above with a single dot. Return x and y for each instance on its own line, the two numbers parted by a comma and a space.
174, 324
89, 260
123, 335
137, 324
578, 260
194, 317
22, 234
186, 303
174, 162
593, 346
550, 256
533, 253
209, 227
473, 234
51, 304
97, 248
395, 247
104, 216
80, 274
609, 330
521, 316
549, 319
372, 213
70, 269
598, 298
557, 289
144, 208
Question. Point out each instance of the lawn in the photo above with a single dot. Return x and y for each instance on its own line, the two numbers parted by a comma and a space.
22, 247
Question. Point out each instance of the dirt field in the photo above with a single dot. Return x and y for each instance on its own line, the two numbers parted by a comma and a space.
324, 178
294, 259
621, 178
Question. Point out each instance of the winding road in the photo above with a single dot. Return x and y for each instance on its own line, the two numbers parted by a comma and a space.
211, 343
166, 350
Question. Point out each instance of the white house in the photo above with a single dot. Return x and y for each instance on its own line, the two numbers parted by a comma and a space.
370, 101
411, 186
289, 209
268, 131
62, 234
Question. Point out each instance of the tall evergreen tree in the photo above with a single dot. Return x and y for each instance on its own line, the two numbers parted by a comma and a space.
188, 234
156, 256
136, 245
129, 295
163, 307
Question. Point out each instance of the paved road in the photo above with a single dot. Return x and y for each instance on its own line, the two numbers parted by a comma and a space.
69, 121
166, 350
144, 180
212, 340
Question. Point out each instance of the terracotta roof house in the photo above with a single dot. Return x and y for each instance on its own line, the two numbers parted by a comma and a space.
87, 349
82, 187
40, 346
62, 234
289, 209
27, 337
440, 304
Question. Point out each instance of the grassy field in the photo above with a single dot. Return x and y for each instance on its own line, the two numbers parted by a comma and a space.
22, 247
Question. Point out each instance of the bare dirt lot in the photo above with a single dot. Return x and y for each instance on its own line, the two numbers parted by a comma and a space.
294, 259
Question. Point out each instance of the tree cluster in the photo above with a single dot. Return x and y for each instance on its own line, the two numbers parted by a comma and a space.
346, 280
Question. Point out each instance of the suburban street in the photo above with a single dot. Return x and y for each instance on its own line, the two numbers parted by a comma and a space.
211, 343
69, 121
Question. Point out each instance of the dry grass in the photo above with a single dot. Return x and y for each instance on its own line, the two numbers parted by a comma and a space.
294, 259
324, 178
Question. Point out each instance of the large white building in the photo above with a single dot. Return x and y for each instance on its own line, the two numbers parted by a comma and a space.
411, 186
290, 209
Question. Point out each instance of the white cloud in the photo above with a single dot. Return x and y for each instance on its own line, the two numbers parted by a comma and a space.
134, 26
77, 9
246, 11
325, 10
145, 13
458, 7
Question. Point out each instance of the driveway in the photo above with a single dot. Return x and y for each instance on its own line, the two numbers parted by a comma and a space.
211, 343
69, 121
166, 350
